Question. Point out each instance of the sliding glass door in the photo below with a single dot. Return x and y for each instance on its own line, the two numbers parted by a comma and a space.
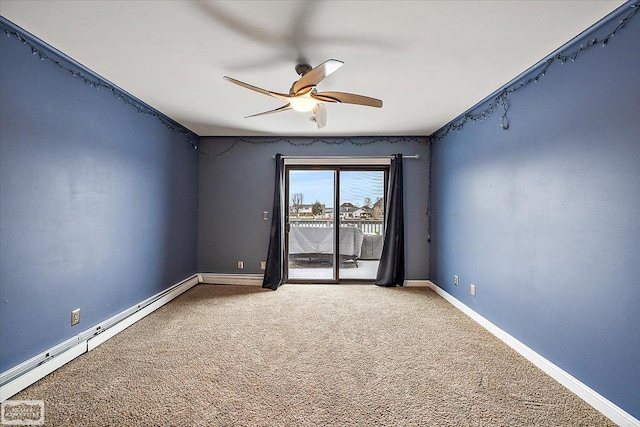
361, 223
334, 225
310, 227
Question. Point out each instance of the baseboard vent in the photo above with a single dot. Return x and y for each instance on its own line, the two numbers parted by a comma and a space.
232, 279
23, 375
416, 283
599, 402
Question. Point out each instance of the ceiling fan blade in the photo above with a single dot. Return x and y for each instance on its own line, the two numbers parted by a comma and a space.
277, 110
347, 98
320, 115
315, 76
256, 88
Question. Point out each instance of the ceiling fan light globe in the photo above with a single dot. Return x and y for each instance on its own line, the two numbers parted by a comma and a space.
303, 104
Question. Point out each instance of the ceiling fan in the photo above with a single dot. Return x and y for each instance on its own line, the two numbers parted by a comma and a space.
303, 95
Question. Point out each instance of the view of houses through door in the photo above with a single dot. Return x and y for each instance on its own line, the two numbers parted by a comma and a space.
334, 222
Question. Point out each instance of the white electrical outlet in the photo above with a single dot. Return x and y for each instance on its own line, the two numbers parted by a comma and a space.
240, 265
455, 280
263, 265
75, 317
473, 290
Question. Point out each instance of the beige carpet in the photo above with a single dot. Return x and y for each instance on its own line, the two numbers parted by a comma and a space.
306, 355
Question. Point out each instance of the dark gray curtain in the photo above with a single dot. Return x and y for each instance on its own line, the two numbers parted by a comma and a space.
391, 268
274, 271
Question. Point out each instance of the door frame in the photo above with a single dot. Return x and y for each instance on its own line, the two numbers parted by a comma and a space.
336, 164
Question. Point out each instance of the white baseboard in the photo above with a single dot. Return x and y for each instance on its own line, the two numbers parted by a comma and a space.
599, 402
23, 375
231, 279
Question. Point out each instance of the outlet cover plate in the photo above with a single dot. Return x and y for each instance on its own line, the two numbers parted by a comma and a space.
75, 317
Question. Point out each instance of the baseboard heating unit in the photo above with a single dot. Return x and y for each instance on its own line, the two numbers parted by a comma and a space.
23, 375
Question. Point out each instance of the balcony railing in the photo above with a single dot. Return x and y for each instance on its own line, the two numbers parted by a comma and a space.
368, 226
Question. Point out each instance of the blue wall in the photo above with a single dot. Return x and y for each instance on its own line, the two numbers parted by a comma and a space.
545, 217
236, 188
98, 204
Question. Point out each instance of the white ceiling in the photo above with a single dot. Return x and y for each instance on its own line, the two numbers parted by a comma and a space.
428, 61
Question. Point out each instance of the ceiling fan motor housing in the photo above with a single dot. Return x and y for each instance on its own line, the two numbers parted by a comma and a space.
303, 69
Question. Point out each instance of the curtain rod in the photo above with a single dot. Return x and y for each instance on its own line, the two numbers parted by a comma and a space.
415, 156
